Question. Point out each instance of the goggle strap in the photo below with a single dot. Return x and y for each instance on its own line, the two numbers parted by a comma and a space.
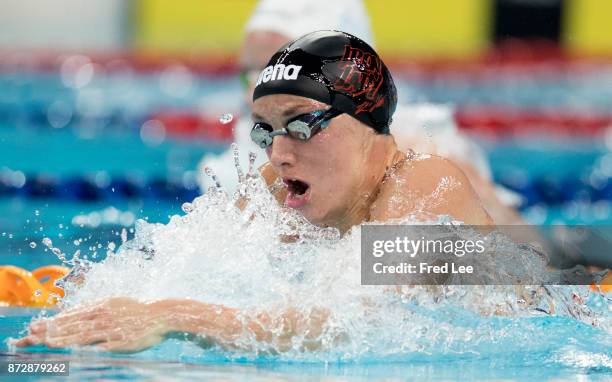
326, 116
274, 133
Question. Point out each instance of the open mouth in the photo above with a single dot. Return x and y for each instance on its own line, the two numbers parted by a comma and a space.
298, 192
296, 186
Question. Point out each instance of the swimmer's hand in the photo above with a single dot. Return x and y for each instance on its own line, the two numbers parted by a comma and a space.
126, 325
117, 324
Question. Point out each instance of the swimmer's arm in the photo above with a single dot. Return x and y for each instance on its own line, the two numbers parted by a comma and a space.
427, 188
127, 325
235, 329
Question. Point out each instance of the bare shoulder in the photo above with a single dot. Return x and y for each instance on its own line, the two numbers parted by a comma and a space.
429, 185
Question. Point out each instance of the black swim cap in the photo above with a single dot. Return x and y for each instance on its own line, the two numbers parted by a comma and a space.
335, 68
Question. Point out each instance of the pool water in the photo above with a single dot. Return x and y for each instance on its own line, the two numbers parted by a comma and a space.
561, 349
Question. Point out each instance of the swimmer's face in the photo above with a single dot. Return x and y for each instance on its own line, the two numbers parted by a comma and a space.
330, 176
257, 48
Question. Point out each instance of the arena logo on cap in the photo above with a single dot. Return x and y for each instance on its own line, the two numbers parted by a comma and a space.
279, 72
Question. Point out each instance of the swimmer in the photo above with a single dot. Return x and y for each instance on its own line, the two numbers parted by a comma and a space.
272, 25
322, 110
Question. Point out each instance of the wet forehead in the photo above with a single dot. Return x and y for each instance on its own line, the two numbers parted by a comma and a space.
283, 106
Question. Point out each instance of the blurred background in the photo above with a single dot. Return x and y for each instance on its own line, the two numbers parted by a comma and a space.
106, 106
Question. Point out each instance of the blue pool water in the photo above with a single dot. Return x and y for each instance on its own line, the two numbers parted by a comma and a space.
558, 349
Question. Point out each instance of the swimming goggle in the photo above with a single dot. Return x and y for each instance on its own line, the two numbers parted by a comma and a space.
302, 127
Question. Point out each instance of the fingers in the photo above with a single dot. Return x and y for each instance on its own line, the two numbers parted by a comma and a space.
64, 328
72, 321
82, 314
88, 338
82, 332
128, 345
92, 310
116, 325
65, 339
28, 341
38, 327
60, 331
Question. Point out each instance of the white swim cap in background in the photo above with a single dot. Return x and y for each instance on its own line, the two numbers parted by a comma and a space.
296, 18
431, 128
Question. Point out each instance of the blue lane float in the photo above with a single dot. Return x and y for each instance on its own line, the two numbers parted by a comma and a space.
545, 190
85, 189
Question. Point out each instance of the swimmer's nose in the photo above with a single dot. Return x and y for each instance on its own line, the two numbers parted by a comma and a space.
281, 153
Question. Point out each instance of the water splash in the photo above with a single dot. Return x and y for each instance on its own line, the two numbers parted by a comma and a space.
260, 256
236, 155
209, 172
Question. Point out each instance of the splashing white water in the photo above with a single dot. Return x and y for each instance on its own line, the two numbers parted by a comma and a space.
265, 257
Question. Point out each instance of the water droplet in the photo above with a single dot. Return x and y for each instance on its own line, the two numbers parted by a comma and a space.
209, 172
252, 157
123, 235
36, 212
56, 251
61, 226
32, 245
226, 118
111, 246
47, 242
187, 207
277, 185
236, 155
77, 242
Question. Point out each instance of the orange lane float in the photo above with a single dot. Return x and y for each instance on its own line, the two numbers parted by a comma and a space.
19, 287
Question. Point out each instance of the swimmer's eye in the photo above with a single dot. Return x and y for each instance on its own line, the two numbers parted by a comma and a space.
263, 134
302, 127
305, 126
